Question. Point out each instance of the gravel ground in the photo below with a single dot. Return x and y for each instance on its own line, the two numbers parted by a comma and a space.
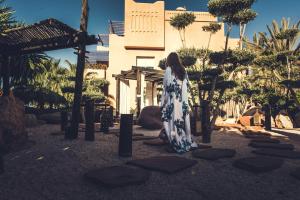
53, 169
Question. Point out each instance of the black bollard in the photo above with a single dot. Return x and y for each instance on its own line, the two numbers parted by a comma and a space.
89, 122
268, 117
63, 120
105, 122
205, 122
125, 140
111, 116
1, 163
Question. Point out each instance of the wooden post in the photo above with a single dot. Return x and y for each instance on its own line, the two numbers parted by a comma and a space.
125, 140
90, 119
205, 122
79, 71
5, 75
63, 120
268, 117
138, 92
118, 98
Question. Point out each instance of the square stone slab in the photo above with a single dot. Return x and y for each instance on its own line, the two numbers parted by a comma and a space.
271, 145
266, 140
258, 164
117, 176
214, 153
296, 173
166, 164
278, 153
138, 138
155, 142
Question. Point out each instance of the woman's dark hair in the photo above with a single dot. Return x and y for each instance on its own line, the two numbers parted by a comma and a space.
173, 61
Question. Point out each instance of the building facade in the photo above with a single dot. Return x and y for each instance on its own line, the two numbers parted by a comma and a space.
143, 39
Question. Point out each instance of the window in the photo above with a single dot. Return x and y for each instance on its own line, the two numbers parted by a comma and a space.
145, 62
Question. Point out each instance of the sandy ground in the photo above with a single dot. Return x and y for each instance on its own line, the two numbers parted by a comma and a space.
53, 170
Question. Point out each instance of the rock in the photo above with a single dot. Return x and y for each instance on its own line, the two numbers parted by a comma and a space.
271, 145
166, 164
50, 118
214, 153
118, 176
31, 120
245, 120
12, 122
266, 140
283, 121
258, 164
278, 153
150, 118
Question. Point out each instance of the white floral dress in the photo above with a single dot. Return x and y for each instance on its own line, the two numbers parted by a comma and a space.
175, 112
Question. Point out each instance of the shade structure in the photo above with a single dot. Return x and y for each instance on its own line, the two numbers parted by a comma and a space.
46, 35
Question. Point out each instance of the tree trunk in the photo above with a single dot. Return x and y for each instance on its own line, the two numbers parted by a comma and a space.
5, 75
79, 71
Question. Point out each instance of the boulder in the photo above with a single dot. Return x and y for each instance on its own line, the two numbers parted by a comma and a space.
245, 120
12, 123
283, 121
150, 118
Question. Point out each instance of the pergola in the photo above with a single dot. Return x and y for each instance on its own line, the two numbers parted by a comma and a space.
139, 74
46, 35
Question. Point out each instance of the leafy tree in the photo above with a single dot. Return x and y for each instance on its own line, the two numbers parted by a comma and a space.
278, 53
180, 22
212, 28
226, 63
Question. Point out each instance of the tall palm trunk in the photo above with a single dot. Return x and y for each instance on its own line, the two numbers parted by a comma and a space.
79, 71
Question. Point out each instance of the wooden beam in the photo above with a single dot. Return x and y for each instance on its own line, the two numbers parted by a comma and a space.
138, 92
118, 97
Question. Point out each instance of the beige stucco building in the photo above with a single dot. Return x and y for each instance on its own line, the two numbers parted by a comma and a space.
143, 39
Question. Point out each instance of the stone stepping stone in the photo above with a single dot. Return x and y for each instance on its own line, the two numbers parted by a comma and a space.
155, 142
258, 164
278, 153
133, 135
165, 164
203, 146
266, 140
260, 137
271, 145
296, 173
138, 138
117, 176
255, 133
214, 153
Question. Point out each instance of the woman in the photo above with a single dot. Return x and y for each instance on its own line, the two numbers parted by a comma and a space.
175, 107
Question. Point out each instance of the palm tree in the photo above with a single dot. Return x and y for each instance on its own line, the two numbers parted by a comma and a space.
73, 132
278, 52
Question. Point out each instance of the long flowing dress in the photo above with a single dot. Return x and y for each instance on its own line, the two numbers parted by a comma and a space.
175, 112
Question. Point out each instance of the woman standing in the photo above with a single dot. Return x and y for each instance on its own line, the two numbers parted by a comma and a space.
175, 107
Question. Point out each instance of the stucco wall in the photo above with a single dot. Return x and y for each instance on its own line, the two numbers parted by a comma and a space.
140, 41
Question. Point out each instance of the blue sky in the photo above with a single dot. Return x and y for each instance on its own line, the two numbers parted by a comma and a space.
68, 11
